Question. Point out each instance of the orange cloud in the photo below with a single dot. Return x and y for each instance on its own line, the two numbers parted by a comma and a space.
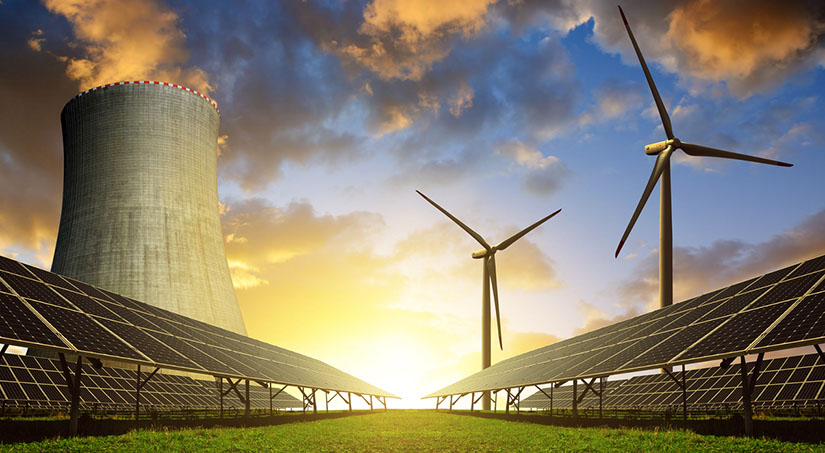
733, 41
405, 38
125, 40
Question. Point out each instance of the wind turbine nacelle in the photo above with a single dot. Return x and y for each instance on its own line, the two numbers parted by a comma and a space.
478, 254
656, 148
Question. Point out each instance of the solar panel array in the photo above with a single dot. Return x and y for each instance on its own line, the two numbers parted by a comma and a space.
45, 310
796, 381
563, 397
778, 310
258, 396
37, 382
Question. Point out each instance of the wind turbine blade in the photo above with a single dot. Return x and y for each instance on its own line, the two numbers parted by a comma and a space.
661, 161
659, 105
509, 241
491, 269
469, 231
698, 150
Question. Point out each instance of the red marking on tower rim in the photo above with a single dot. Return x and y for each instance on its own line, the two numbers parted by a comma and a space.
151, 82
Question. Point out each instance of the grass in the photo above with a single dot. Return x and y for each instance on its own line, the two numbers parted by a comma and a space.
411, 431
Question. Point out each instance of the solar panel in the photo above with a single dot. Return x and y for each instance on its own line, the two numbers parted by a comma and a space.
776, 310
98, 323
563, 397
33, 382
795, 381
34, 290
13, 266
18, 325
85, 334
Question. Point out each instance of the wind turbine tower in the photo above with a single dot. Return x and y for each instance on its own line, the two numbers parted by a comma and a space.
488, 254
661, 169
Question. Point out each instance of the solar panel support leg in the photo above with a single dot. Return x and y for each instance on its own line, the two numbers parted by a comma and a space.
682, 385
73, 382
220, 392
748, 386
270, 398
137, 393
326, 402
495, 402
575, 399
472, 401
314, 402
370, 402
746, 399
246, 411
349, 401
139, 385
684, 392
507, 406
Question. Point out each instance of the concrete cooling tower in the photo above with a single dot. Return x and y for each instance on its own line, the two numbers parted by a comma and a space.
140, 199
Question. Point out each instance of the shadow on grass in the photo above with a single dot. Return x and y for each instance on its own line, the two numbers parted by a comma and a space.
806, 431
23, 430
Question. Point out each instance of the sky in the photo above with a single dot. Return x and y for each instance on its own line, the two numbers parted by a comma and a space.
334, 112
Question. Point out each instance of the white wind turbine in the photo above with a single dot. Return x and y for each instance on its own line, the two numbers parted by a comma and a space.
488, 253
664, 150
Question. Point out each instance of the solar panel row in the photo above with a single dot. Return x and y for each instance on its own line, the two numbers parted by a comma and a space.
563, 397
38, 382
784, 382
778, 310
44, 310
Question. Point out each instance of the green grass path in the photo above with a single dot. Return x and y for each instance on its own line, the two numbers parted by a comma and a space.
411, 431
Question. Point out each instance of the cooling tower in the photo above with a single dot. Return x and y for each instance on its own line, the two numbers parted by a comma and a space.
140, 199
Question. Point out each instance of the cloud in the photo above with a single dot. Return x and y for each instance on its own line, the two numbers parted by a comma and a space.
258, 234
123, 40
750, 48
462, 100
596, 318
543, 174
402, 40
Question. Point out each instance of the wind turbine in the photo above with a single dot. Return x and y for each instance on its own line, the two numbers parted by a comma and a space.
664, 150
488, 253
